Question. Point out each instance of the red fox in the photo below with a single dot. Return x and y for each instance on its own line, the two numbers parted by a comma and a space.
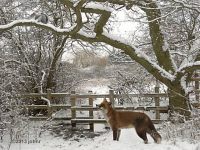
128, 119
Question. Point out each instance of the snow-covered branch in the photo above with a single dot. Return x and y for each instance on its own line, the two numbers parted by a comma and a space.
27, 22
105, 15
41, 88
190, 67
140, 57
42, 81
47, 100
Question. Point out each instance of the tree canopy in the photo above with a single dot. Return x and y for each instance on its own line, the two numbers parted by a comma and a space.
167, 45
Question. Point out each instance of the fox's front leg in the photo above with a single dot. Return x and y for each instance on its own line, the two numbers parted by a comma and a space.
116, 134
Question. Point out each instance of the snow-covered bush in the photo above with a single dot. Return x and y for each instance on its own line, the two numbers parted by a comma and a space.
189, 130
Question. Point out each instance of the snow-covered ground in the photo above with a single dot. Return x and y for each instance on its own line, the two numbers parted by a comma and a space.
128, 141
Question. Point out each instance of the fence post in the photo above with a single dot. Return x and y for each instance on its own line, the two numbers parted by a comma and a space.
49, 108
111, 97
91, 111
73, 104
157, 101
196, 84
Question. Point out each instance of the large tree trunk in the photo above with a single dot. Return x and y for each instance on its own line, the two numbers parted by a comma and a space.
51, 83
178, 101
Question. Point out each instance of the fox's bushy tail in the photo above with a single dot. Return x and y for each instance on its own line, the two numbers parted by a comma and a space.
153, 132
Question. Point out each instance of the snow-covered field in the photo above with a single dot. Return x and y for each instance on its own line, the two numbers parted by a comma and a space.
128, 141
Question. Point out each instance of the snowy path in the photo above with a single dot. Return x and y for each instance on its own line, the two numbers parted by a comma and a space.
128, 141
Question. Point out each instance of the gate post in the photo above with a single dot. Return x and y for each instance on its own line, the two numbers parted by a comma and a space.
73, 104
157, 100
111, 97
49, 108
196, 82
91, 111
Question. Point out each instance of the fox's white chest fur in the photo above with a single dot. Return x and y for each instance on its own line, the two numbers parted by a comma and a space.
104, 112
